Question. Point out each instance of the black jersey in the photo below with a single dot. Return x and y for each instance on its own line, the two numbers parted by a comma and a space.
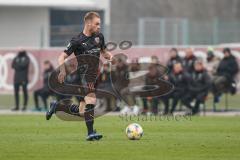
82, 44
87, 50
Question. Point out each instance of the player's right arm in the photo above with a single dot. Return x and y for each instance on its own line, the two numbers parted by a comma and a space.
71, 47
61, 60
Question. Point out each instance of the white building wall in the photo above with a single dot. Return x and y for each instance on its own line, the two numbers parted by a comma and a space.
27, 23
24, 27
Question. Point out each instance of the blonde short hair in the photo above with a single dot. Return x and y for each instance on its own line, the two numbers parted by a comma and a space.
90, 15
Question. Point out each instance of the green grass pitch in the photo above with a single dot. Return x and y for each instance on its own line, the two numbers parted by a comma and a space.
28, 137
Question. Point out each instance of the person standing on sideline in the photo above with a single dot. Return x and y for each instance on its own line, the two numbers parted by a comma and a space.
20, 65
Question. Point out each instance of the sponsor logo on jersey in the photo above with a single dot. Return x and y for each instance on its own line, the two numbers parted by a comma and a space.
97, 40
84, 44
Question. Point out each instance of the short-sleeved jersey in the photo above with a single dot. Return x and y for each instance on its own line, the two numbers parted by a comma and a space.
82, 44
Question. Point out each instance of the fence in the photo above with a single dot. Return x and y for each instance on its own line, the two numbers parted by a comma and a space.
165, 31
158, 31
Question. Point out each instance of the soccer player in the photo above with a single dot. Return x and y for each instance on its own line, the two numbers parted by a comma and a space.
89, 42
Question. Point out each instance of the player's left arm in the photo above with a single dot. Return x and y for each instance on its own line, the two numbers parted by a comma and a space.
108, 55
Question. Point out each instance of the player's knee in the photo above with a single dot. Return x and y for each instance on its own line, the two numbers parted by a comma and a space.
90, 99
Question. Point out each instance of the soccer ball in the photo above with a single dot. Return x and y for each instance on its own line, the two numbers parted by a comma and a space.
134, 131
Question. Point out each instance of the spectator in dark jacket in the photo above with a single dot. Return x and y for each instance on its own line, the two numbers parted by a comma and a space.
198, 87
179, 79
45, 91
120, 75
21, 65
120, 78
188, 61
151, 78
226, 72
174, 58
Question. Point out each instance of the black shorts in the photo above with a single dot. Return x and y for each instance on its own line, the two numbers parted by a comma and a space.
87, 84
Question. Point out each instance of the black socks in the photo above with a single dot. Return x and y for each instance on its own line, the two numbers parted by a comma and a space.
89, 117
